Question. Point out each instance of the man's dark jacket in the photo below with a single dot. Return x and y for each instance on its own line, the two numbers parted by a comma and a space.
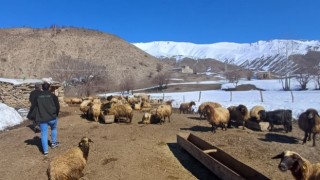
32, 98
47, 106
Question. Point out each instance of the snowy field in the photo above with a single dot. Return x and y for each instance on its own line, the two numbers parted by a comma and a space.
273, 98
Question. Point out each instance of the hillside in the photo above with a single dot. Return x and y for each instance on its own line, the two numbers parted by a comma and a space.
27, 53
261, 55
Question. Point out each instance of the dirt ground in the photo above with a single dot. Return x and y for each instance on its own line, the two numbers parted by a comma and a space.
137, 151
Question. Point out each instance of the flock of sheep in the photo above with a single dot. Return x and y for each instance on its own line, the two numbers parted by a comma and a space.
71, 164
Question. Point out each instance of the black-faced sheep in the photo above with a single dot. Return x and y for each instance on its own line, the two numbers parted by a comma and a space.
217, 117
70, 164
238, 115
257, 113
164, 111
300, 168
201, 108
121, 110
309, 122
186, 107
280, 117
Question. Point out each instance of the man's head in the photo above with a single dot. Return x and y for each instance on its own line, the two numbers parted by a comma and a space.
45, 86
37, 86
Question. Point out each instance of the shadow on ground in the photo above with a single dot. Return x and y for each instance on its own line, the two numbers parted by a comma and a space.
198, 128
35, 141
190, 163
280, 138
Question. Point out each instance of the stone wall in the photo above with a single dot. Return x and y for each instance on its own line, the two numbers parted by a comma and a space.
17, 96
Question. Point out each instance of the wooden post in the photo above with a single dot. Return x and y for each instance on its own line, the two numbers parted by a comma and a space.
261, 97
163, 98
230, 96
183, 99
292, 96
199, 96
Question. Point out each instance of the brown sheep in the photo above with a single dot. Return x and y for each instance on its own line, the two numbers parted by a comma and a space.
85, 106
300, 168
201, 108
76, 100
217, 117
164, 111
70, 164
309, 122
257, 113
239, 114
186, 107
121, 110
95, 110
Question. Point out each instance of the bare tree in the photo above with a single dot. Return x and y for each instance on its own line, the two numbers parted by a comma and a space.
83, 75
233, 76
159, 67
317, 76
162, 79
127, 84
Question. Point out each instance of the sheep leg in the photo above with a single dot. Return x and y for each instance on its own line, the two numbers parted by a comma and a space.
309, 136
314, 139
243, 125
213, 128
305, 137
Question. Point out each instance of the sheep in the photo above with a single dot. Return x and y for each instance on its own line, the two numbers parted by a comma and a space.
186, 107
201, 108
146, 118
239, 114
164, 111
257, 113
121, 110
309, 122
95, 109
76, 100
219, 116
300, 167
70, 164
145, 105
280, 117
85, 106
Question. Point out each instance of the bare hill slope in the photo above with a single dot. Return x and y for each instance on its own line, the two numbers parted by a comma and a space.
27, 52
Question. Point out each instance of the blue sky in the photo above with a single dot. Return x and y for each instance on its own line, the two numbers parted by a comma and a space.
196, 21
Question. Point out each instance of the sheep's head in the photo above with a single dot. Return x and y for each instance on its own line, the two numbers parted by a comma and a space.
289, 160
192, 103
243, 109
208, 110
262, 114
85, 142
311, 113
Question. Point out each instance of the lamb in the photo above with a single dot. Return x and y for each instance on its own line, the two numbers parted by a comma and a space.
121, 110
164, 111
186, 107
309, 122
280, 117
201, 108
219, 116
300, 167
146, 118
70, 164
239, 114
257, 113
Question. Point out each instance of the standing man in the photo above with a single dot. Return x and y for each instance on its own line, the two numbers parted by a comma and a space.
32, 111
47, 115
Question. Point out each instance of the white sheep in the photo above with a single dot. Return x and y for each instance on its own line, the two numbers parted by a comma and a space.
146, 118
70, 164
257, 113
300, 168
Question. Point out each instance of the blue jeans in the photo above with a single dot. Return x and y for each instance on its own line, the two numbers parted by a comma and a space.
44, 133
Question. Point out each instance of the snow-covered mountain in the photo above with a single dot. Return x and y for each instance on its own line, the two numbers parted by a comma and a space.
259, 55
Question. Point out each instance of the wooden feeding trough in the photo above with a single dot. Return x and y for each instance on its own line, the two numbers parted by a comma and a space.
216, 160
108, 119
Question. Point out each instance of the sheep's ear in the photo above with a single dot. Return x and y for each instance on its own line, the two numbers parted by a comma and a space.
279, 156
90, 140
